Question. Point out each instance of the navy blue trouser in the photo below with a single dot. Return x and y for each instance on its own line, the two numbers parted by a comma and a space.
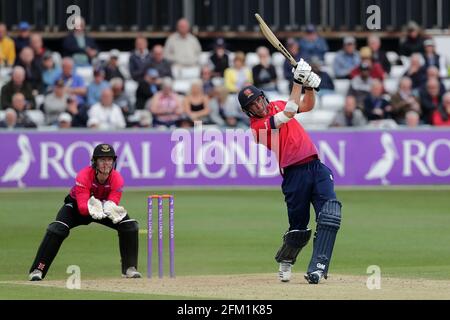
307, 183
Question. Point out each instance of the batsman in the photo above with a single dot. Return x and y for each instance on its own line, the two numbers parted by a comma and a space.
95, 197
306, 179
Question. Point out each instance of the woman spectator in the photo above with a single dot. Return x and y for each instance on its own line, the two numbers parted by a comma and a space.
441, 116
165, 106
239, 75
196, 103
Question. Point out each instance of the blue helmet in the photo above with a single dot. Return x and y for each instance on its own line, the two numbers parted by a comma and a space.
247, 95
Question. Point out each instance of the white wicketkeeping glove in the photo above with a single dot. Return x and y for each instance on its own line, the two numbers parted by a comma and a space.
95, 208
313, 81
114, 212
302, 71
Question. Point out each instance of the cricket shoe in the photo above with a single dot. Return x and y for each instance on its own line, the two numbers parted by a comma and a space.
285, 271
36, 275
132, 273
314, 277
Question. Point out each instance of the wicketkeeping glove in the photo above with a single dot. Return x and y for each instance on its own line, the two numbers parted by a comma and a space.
114, 212
95, 208
301, 72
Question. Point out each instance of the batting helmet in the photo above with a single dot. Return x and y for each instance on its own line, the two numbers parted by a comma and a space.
103, 150
247, 95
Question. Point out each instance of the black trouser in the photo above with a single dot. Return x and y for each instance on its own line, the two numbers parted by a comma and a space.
68, 218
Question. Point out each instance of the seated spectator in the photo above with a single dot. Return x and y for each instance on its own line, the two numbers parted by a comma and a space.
375, 106
73, 82
219, 58
294, 49
15, 85
326, 85
433, 72
10, 121
112, 66
147, 88
361, 84
23, 38
107, 114
346, 59
313, 45
140, 59
264, 73
159, 63
350, 115
237, 76
7, 48
78, 112
55, 102
120, 97
64, 121
50, 71
404, 100
413, 42
33, 71
412, 119
378, 55
78, 45
224, 109
182, 48
430, 99
19, 104
416, 72
37, 45
196, 103
433, 59
166, 106
441, 116
206, 76
375, 69
96, 87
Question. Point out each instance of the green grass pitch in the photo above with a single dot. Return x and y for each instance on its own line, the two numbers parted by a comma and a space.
405, 232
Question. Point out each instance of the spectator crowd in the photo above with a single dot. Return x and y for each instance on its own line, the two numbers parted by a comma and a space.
178, 83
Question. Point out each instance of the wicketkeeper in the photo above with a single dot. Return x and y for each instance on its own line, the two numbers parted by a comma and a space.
95, 197
305, 178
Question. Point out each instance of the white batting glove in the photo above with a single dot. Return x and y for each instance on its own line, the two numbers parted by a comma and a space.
313, 81
302, 71
114, 212
95, 208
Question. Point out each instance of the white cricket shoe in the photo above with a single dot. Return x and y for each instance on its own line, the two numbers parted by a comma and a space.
132, 273
36, 275
285, 271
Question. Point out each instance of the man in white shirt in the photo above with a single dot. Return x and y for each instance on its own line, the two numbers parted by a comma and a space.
107, 114
182, 48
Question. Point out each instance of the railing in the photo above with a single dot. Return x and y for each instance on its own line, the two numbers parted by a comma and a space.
231, 15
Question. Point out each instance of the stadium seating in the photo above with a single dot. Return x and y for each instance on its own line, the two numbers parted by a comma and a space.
333, 102
316, 119
86, 72
130, 89
181, 86
341, 86
251, 59
391, 85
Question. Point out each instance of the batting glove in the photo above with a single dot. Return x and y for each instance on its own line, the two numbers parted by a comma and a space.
114, 212
301, 72
95, 209
313, 81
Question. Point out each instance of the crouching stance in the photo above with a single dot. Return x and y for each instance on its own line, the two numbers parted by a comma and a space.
94, 198
306, 179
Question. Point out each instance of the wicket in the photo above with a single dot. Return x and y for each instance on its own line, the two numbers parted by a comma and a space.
160, 199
